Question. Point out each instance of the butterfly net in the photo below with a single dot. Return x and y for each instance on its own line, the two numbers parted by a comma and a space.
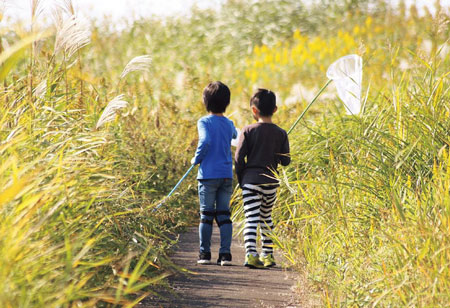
346, 72
235, 141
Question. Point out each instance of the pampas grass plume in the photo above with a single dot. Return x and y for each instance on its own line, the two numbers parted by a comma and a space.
41, 89
141, 63
109, 113
72, 35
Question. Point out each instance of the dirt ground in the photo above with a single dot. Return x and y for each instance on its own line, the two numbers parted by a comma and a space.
224, 286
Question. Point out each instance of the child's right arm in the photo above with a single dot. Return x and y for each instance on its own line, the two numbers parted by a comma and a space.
204, 141
239, 157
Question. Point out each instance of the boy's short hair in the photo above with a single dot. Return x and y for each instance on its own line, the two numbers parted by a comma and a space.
265, 100
216, 97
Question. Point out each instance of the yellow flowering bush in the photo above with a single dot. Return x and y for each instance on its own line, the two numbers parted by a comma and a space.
305, 58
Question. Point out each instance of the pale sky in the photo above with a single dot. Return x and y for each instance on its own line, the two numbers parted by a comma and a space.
132, 9
117, 9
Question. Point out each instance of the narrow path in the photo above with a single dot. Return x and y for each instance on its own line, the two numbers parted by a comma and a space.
224, 286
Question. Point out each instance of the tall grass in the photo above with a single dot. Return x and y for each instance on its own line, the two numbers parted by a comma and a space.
364, 207
75, 201
367, 212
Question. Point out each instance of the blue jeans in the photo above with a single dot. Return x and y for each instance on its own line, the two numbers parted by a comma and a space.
214, 196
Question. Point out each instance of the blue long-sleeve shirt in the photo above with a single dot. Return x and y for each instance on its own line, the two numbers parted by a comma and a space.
214, 147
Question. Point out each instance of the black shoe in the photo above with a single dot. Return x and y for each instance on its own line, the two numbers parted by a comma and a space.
204, 258
224, 259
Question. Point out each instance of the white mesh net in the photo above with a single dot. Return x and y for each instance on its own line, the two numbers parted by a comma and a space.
234, 142
346, 72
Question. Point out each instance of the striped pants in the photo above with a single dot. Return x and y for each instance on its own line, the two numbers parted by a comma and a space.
258, 204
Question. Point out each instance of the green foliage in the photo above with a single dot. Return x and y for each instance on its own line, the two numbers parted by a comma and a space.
366, 208
77, 226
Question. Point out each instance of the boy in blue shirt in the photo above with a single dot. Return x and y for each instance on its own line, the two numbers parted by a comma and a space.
215, 173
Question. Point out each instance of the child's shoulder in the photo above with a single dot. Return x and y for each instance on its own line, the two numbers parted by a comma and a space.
250, 127
280, 129
204, 118
263, 126
215, 119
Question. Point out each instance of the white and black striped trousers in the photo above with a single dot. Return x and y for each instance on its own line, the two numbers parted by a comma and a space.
258, 204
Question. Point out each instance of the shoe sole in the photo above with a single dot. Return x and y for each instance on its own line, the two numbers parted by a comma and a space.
204, 262
271, 265
254, 267
225, 263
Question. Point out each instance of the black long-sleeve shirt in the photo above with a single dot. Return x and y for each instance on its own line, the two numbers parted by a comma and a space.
261, 147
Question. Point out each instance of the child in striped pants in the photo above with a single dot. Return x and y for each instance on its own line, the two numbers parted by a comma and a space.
261, 147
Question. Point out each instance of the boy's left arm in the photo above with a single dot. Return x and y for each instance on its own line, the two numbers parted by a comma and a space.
285, 157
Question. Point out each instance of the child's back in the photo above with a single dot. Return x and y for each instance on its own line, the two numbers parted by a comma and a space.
262, 146
265, 145
214, 151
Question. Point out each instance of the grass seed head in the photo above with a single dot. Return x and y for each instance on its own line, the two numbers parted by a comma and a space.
72, 35
110, 111
41, 88
36, 9
67, 5
141, 63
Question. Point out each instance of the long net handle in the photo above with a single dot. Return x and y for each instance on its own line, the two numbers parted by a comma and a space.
175, 187
309, 105
181, 180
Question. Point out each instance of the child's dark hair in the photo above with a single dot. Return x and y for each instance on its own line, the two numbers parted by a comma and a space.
216, 97
265, 100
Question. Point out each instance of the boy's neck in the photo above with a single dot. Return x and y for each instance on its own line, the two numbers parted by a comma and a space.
265, 120
216, 114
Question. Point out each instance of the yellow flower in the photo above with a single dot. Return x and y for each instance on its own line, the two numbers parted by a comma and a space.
268, 58
257, 50
297, 34
369, 21
277, 57
264, 49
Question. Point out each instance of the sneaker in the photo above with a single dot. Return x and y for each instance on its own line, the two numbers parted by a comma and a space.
252, 261
204, 258
268, 260
224, 259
